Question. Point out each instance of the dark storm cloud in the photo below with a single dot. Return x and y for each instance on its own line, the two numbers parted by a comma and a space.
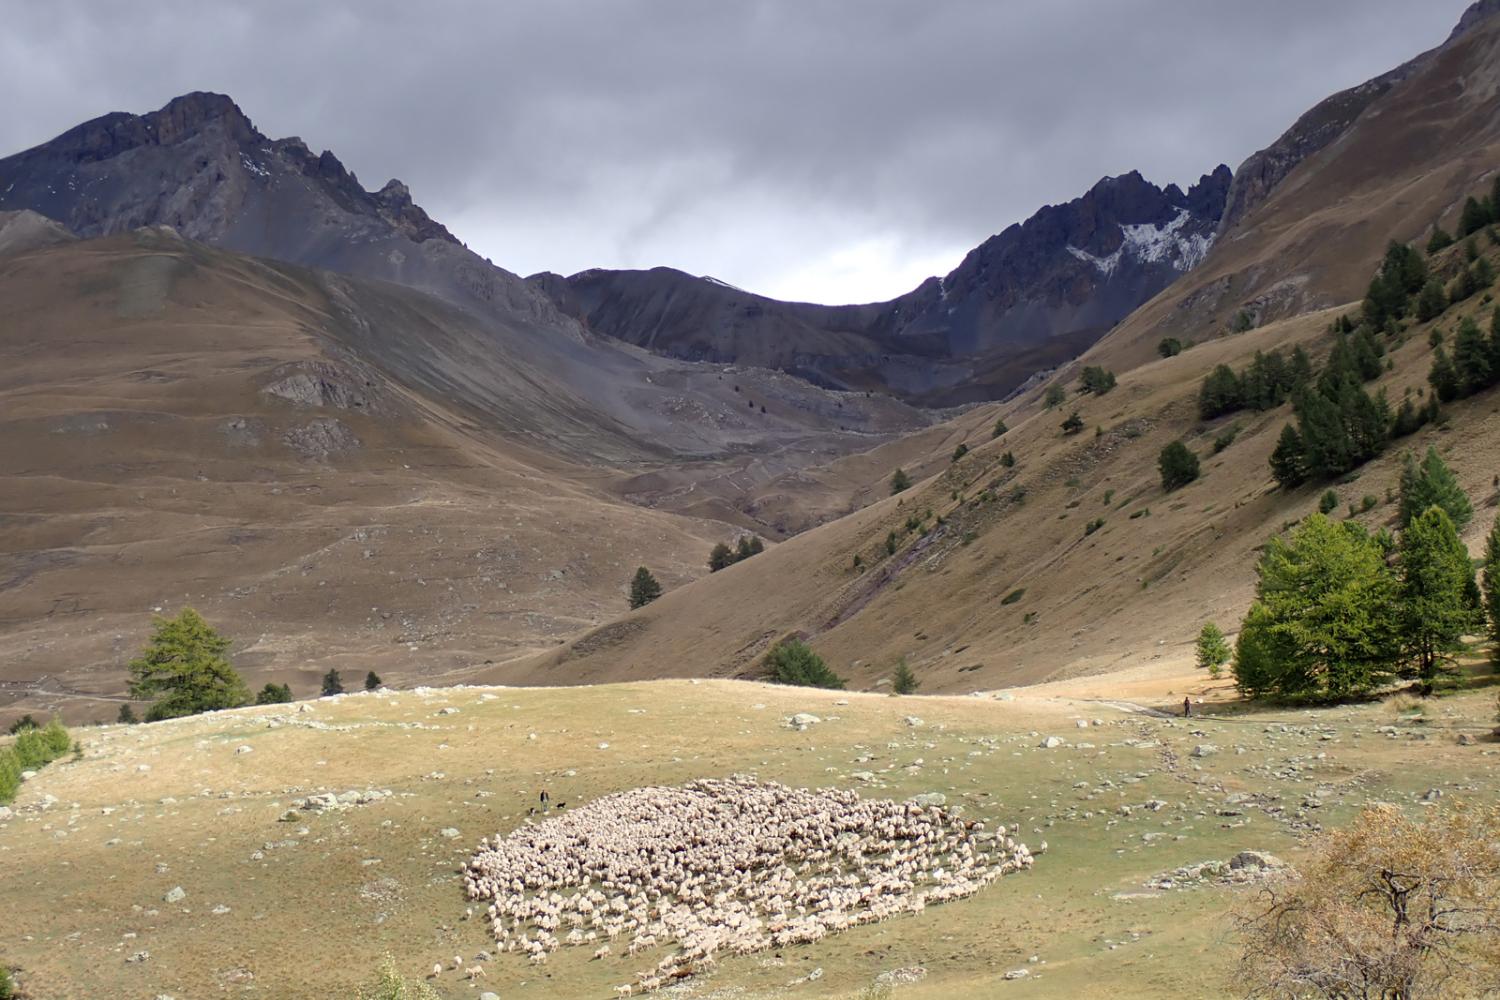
831, 150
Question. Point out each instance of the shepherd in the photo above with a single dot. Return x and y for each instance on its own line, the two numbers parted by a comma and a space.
1187, 711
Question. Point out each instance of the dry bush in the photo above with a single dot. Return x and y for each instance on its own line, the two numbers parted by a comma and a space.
1385, 909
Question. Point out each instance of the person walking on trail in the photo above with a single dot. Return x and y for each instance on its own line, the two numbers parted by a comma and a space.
1187, 712
543, 798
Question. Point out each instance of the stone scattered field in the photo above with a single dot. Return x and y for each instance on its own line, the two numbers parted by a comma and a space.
282, 851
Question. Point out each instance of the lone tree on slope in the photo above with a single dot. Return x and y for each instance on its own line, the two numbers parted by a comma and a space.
643, 588
332, 683
184, 669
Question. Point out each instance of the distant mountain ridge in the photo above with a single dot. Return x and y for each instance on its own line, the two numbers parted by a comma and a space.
1032, 296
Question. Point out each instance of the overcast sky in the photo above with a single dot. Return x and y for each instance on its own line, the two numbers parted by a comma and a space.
828, 151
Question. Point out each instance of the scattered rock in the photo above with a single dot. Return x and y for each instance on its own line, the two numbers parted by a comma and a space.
802, 720
930, 799
176, 894
1018, 974
1205, 750
912, 720
1051, 742
448, 832
244, 749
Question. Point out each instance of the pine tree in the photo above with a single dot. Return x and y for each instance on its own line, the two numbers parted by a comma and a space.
1008, 460
904, 681
1473, 218
1289, 459
1441, 240
1325, 622
1432, 483
794, 662
960, 451
1437, 584
1471, 358
1178, 466
1492, 586
721, 556
1073, 424
332, 684
1432, 301
1221, 393
274, 694
372, 681
184, 668
1056, 395
1213, 650
900, 481
127, 715
1000, 429
1443, 377
1169, 347
643, 588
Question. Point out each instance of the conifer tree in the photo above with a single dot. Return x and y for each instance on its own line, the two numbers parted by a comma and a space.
1432, 301
1492, 586
1430, 483
1213, 651
126, 717
1443, 377
274, 694
1055, 396
1000, 428
1441, 240
1289, 459
372, 681
1473, 218
1471, 358
904, 681
184, 668
1437, 587
332, 683
1008, 460
1325, 622
794, 662
1073, 424
643, 588
721, 556
900, 481
1178, 466
1221, 393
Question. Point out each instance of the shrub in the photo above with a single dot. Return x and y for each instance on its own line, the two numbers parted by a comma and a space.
1226, 438
7, 984
10, 774
1399, 907
1178, 466
1097, 380
904, 681
1073, 424
274, 694
793, 662
1014, 596
643, 588
56, 740
1008, 460
389, 984
1093, 526
1000, 428
960, 451
1169, 347
900, 482
184, 668
1327, 502
22, 724
1056, 395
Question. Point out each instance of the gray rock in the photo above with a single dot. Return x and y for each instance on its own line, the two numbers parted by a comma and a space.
1205, 750
1255, 861
450, 832
176, 894
802, 720
930, 799
1051, 742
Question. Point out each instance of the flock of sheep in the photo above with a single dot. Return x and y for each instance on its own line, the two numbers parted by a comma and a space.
725, 866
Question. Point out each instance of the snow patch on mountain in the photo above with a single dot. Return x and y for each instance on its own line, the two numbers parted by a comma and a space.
1153, 244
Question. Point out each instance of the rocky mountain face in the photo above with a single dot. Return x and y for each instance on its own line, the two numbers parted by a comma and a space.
1035, 295
201, 167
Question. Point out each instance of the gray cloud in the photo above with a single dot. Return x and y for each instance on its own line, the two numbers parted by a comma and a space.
827, 150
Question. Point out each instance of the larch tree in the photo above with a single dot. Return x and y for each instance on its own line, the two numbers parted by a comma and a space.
184, 670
